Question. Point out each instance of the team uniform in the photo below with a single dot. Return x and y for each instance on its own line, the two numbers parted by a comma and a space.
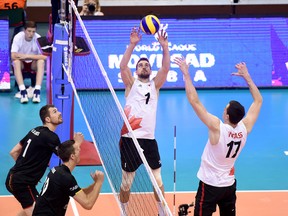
37, 148
142, 102
216, 173
54, 197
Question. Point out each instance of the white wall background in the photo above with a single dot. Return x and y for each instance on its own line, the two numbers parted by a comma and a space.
46, 3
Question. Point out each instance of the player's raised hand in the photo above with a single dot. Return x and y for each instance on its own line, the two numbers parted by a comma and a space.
162, 35
135, 35
183, 65
162, 32
79, 137
97, 176
242, 70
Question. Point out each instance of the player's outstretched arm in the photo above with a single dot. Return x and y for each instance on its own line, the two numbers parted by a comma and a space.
163, 71
255, 107
211, 121
126, 75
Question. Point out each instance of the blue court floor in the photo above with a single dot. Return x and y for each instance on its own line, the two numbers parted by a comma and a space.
262, 164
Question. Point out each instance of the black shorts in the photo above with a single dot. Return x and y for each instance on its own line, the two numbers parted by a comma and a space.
208, 197
130, 159
25, 194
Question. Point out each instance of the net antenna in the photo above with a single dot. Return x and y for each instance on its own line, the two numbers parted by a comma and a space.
123, 117
62, 14
70, 42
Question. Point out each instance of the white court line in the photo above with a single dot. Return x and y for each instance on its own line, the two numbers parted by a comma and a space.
241, 191
74, 207
73, 204
182, 192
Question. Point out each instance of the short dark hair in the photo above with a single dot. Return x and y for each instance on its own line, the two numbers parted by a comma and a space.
235, 111
44, 112
142, 59
30, 24
65, 150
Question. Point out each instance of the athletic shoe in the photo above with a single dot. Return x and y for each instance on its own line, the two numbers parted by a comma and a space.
30, 92
17, 95
24, 96
36, 96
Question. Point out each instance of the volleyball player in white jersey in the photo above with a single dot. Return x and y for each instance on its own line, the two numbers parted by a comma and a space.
141, 107
225, 141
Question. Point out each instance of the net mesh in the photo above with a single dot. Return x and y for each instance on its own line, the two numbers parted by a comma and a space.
104, 118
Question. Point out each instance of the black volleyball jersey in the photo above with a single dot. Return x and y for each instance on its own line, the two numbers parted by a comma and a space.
59, 185
38, 146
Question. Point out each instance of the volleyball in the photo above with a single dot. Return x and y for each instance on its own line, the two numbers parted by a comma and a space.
150, 24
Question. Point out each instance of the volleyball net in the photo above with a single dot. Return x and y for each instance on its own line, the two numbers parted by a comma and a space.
104, 118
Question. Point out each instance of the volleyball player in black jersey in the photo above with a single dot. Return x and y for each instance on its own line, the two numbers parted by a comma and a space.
32, 155
60, 184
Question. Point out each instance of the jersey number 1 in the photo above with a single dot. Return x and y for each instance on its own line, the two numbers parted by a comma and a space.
26, 148
148, 97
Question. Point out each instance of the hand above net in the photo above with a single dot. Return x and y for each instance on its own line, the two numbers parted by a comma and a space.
162, 32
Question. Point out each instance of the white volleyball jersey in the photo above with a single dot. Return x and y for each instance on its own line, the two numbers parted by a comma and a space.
20, 45
141, 108
217, 161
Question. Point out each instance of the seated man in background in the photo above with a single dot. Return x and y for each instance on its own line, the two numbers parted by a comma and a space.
91, 8
25, 54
